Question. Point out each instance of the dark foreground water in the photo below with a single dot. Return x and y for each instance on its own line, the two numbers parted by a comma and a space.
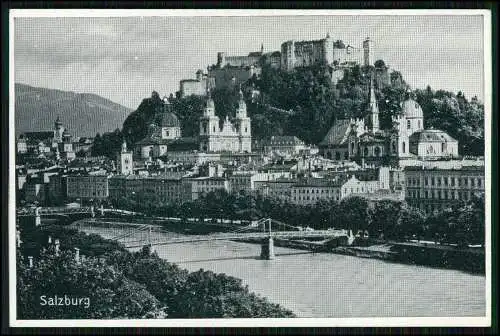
331, 285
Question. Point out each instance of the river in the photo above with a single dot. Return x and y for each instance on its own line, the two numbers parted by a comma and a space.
332, 285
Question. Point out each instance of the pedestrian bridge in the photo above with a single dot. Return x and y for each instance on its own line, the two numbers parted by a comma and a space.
139, 235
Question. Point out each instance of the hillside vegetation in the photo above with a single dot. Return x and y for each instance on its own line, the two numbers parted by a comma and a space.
317, 102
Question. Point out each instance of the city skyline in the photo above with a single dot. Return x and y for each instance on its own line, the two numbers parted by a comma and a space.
125, 58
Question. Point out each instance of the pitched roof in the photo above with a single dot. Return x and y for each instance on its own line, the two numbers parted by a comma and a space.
431, 135
337, 135
39, 135
284, 140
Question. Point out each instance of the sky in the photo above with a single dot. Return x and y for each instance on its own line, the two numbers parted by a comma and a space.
125, 58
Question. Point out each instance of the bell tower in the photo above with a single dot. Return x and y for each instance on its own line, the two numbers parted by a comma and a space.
209, 126
124, 159
243, 125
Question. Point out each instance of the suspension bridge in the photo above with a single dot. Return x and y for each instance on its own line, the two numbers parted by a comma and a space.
134, 235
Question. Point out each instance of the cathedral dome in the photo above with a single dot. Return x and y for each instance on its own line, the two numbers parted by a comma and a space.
169, 119
411, 109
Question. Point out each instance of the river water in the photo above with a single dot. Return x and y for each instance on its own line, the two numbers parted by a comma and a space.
331, 285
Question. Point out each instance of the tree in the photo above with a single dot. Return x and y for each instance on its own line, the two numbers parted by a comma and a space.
209, 295
103, 290
352, 214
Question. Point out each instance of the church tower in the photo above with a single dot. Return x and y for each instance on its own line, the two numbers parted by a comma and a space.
373, 109
58, 130
243, 125
124, 160
209, 126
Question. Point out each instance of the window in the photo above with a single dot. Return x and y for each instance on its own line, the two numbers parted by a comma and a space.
404, 147
346, 155
377, 151
472, 182
408, 124
438, 181
426, 181
445, 181
432, 180
479, 182
366, 151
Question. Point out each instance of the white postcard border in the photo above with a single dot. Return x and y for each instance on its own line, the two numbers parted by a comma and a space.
252, 322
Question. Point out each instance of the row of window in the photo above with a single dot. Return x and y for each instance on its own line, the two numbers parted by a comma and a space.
447, 181
440, 194
323, 191
314, 198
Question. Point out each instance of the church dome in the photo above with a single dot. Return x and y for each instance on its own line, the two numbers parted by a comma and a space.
411, 109
169, 119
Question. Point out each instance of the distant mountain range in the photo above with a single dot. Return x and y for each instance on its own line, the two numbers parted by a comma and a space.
83, 114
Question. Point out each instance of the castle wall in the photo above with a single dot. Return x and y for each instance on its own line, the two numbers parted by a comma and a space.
223, 78
193, 87
308, 53
241, 60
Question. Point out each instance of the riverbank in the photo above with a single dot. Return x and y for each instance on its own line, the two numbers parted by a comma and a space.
330, 284
447, 257
433, 255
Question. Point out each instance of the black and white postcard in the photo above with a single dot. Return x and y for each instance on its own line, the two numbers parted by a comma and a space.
250, 168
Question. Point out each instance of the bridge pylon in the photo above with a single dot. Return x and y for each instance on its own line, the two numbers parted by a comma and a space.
267, 249
267, 246
38, 220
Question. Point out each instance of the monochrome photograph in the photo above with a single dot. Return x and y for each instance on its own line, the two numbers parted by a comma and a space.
249, 168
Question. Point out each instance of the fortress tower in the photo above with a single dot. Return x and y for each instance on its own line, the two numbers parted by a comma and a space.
368, 58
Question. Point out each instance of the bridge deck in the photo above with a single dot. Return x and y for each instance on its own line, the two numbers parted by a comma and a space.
250, 235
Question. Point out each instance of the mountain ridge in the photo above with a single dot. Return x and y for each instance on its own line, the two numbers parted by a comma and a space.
83, 114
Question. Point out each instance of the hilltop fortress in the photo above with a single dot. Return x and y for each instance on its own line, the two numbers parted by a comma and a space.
231, 71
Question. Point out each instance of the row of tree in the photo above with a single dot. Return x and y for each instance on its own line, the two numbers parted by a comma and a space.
121, 284
462, 222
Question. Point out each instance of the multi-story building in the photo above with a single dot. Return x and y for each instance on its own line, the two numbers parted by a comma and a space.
279, 188
87, 187
248, 180
197, 187
169, 189
436, 186
284, 145
311, 190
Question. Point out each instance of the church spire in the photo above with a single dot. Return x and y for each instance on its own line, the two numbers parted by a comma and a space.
373, 107
124, 146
